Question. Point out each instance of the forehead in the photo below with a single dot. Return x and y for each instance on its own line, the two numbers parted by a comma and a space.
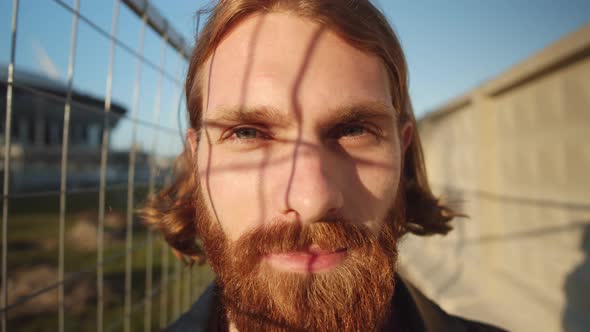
292, 64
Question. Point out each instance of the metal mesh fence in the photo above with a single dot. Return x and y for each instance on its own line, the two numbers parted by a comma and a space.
77, 164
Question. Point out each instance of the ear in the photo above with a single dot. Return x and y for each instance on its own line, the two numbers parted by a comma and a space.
407, 132
192, 136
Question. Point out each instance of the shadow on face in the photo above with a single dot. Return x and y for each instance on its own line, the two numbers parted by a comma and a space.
297, 125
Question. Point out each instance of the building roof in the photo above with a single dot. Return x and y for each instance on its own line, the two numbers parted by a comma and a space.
37, 81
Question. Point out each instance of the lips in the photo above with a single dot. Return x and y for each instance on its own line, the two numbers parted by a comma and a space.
312, 260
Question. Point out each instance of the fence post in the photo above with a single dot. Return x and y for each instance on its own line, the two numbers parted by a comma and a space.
164, 285
131, 180
151, 189
64, 166
103, 173
7, 130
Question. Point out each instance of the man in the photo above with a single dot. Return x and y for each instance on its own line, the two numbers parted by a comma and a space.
302, 172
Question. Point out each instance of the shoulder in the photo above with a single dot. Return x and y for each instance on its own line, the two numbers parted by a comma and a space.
431, 317
199, 317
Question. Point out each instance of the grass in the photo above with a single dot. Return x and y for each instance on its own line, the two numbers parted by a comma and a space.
33, 233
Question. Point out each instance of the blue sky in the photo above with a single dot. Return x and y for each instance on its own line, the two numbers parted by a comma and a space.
451, 47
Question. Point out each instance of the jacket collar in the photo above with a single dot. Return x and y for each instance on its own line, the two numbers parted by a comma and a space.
419, 313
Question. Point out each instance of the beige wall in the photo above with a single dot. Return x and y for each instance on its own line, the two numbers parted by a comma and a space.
514, 154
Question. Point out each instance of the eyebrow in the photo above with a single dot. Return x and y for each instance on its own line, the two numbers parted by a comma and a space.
273, 117
358, 113
258, 115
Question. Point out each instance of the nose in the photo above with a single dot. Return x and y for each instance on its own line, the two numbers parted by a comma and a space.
312, 190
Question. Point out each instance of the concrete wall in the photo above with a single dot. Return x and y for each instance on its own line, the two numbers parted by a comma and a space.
514, 154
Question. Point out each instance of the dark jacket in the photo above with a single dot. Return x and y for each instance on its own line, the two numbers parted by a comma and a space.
415, 311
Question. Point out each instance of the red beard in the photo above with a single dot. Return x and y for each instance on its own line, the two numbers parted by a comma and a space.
353, 296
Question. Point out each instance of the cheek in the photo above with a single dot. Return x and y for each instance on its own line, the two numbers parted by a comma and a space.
381, 182
230, 189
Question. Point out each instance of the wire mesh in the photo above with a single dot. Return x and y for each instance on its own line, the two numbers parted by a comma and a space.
111, 264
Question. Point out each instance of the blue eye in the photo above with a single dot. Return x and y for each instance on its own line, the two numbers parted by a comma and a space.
246, 133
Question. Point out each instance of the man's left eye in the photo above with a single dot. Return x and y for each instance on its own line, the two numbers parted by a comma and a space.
353, 131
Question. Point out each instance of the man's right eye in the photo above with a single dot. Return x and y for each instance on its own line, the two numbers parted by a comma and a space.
246, 134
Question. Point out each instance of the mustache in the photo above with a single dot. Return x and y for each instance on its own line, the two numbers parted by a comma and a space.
330, 234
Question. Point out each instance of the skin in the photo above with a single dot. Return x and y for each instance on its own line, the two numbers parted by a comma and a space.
298, 126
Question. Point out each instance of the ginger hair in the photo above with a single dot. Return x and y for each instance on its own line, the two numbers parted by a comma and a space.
173, 210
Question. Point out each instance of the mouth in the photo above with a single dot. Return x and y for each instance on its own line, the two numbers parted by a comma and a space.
312, 260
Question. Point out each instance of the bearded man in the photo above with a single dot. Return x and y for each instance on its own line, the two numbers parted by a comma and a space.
303, 170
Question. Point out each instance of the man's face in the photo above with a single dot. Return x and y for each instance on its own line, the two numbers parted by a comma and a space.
297, 124
298, 129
